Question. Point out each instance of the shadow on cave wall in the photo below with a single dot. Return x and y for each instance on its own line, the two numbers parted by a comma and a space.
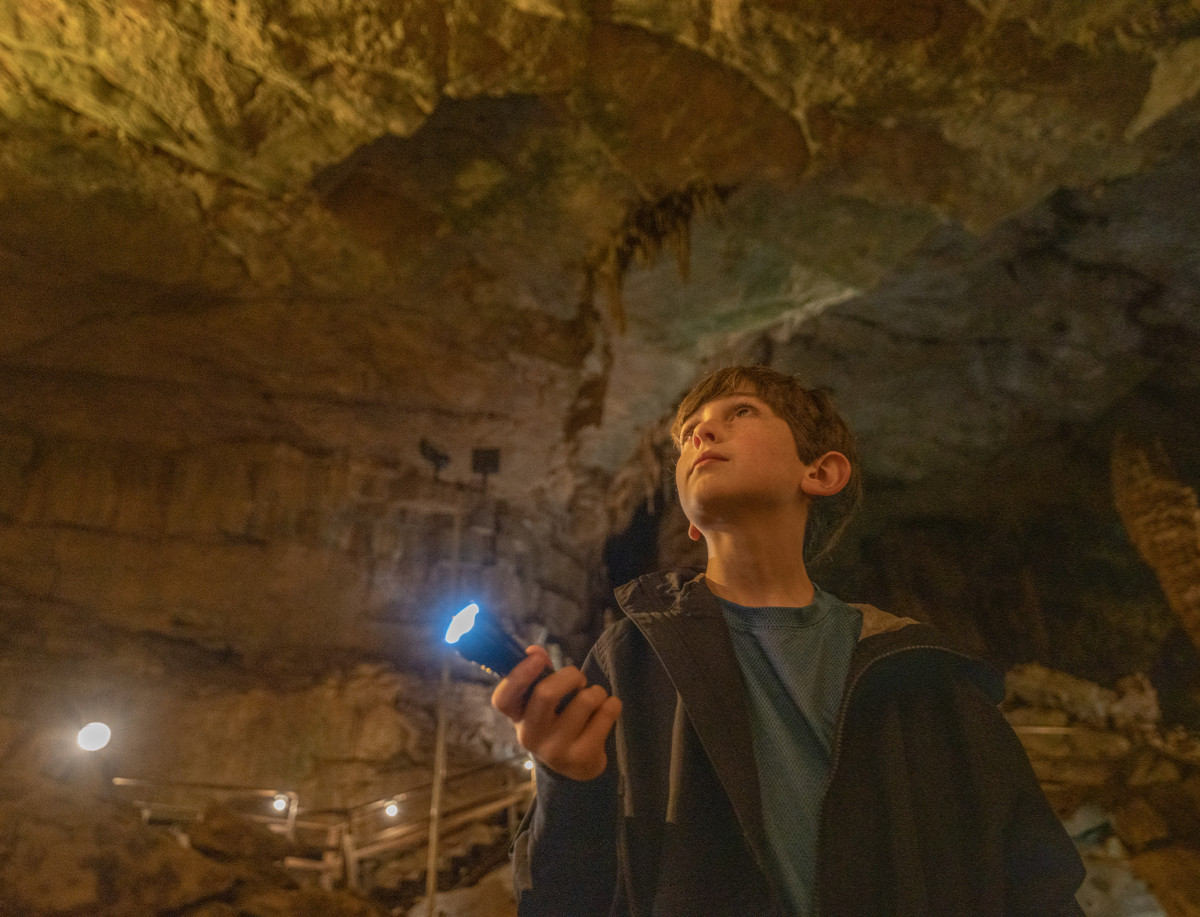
633, 552
1065, 590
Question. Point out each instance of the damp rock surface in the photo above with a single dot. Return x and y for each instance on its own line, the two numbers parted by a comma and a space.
69, 850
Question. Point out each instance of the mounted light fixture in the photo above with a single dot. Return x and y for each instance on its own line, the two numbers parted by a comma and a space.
438, 457
485, 461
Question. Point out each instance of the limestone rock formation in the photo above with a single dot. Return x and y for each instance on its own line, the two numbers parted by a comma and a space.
254, 253
68, 851
1126, 792
1162, 517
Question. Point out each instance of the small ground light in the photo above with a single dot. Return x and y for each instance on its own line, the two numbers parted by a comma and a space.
280, 803
392, 810
528, 764
94, 736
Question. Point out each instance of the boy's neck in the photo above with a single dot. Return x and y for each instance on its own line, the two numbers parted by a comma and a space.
758, 569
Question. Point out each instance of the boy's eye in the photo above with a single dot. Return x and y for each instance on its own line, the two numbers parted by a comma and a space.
686, 434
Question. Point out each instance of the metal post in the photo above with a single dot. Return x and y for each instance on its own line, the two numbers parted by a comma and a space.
435, 795
439, 750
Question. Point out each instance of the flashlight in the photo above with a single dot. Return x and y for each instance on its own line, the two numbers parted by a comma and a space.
479, 638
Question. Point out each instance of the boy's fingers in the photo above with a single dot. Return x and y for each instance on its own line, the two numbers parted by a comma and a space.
575, 726
601, 722
509, 695
579, 708
570, 741
582, 755
541, 710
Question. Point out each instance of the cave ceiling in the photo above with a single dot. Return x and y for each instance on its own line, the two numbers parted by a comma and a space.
345, 227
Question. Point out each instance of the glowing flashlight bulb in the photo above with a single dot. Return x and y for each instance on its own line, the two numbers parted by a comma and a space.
94, 736
461, 623
280, 802
392, 810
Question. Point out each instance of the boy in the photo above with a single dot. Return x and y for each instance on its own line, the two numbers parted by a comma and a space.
776, 751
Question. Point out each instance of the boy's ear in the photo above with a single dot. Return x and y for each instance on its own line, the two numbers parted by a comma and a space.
694, 533
826, 476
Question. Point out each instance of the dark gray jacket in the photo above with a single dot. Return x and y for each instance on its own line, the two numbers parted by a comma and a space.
931, 810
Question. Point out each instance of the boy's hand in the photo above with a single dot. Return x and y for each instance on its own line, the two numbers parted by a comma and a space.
570, 743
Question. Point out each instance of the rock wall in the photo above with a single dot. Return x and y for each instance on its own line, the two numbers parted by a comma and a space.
337, 740
67, 851
266, 550
1127, 789
256, 615
253, 254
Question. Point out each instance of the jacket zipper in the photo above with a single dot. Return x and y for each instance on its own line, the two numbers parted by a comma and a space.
837, 745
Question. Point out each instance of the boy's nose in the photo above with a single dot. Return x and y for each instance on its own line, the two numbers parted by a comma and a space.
705, 432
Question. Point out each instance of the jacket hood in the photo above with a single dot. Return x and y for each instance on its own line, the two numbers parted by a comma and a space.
888, 642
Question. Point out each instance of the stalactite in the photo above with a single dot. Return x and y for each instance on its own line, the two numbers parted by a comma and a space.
648, 228
643, 476
1162, 518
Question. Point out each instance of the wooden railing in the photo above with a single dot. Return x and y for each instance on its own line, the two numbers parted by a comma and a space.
337, 843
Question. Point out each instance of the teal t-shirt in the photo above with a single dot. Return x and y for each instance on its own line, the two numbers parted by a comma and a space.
794, 663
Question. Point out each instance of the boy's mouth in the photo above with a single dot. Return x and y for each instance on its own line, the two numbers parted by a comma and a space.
705, 458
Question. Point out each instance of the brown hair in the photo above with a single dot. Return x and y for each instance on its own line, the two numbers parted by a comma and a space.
816, 427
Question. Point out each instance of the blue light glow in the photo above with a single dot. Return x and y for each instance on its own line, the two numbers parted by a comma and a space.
461, 623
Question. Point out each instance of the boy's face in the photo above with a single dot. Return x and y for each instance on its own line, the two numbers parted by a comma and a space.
736, 455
